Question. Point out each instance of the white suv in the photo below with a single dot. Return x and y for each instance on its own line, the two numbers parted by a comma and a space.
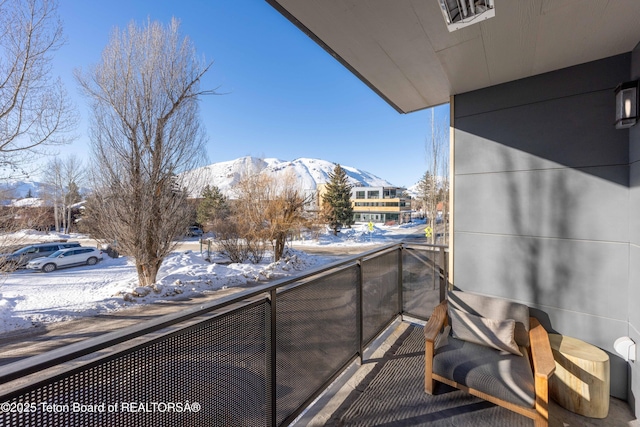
21, 257
66, 258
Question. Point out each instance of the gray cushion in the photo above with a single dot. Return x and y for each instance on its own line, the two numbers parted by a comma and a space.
493, 308
497, 334
497, 373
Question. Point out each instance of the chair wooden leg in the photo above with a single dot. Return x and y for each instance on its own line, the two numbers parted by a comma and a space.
429, 382
542, 400
429, 386
540, 422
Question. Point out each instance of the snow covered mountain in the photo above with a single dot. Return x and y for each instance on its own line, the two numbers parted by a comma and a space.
309, 172
15, 189
224, 175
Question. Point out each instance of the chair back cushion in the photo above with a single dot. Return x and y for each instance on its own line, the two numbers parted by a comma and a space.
493, 308
498, 334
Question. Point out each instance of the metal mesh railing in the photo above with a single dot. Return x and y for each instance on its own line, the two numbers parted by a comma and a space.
316, 335
380, 296
423, 279
251, 360
215, 372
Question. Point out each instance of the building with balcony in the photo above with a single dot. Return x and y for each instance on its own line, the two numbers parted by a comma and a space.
385, 205
534, 138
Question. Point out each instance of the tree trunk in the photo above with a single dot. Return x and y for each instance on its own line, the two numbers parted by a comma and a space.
279, 246
63, 218
56, 216
148, 273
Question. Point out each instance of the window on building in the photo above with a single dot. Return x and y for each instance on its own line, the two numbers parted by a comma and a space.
359, 194
374, 194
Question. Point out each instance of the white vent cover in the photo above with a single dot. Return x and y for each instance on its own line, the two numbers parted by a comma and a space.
461, 13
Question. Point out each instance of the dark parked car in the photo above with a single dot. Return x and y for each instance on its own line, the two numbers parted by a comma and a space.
21, 257
194, 231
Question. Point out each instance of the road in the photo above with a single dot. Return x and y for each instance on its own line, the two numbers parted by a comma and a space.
413, 234
47, 337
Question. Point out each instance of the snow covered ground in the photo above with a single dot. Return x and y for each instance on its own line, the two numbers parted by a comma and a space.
28, 298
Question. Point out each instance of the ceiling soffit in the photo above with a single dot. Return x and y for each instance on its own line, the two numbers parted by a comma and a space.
403, 50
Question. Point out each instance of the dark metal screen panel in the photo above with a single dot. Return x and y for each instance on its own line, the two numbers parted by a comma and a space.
421, 282
379, 293
212, 373
316, 335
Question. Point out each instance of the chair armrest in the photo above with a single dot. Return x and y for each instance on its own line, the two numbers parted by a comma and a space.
436, 322
543, 366
541, 355
431, 332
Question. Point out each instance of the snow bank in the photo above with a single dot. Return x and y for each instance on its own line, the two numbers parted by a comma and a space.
30, 298
188, 274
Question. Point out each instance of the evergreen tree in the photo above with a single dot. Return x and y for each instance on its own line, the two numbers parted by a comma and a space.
71, 197
336, 202
213, 205
426, 190
29, 194
73, 194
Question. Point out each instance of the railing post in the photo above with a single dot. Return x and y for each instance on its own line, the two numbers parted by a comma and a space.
444, 280
360, 319
400, 282
273, 402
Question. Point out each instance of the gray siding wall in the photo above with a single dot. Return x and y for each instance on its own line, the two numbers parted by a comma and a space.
542, 206
634, 251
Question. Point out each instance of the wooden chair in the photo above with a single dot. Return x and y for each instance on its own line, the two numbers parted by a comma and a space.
517, 383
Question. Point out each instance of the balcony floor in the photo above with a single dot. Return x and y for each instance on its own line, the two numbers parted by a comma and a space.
388, 390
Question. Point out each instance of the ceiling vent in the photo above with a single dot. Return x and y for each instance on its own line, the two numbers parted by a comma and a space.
461, 13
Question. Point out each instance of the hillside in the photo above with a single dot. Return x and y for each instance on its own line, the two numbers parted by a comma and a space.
16, 189
224, 175
310, 173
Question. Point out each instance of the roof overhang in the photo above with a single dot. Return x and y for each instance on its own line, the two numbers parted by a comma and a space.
403, 50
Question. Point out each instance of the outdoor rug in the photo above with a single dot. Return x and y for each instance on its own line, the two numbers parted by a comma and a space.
393, 395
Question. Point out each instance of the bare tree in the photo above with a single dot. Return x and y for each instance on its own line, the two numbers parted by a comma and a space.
34, 108
437, 176
253, 194
230, 240
62, 180
266, 210
284, 211
54, 188
145, 132
17, 215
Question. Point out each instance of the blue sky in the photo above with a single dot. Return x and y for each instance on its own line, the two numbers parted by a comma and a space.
284, 96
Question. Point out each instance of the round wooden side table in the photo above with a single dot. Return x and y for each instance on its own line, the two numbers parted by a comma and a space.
581, 382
